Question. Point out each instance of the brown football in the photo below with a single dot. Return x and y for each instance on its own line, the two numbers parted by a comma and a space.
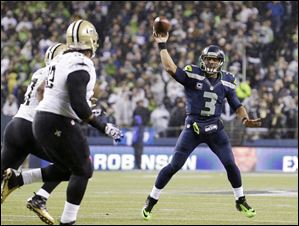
161, 25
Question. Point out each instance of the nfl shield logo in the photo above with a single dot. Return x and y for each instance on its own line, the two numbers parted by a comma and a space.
199, 85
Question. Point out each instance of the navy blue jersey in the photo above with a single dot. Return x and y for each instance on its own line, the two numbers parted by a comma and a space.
204, 97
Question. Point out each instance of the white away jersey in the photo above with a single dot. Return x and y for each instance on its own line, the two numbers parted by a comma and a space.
27, 109
56, 97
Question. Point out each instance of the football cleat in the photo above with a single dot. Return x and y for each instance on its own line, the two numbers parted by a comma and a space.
243, 207
8, 185
37, 204
148, 206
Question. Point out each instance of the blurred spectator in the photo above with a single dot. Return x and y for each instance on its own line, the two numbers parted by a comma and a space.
141, 119
10, 106
137, 140
8, 21
159, 120
243, 90
276, 10
143, 112
177, 118
260, 47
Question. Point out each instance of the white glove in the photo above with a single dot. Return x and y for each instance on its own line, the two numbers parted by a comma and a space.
114, 132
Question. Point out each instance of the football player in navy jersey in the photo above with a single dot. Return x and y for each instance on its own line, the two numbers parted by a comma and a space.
206, 87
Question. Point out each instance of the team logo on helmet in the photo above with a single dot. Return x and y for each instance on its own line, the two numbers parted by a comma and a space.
82, 35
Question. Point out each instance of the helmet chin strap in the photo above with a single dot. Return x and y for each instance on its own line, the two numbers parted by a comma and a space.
93, 49
212, 71
211, 74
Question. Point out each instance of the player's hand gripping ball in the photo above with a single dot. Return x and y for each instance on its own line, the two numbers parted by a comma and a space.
161, 26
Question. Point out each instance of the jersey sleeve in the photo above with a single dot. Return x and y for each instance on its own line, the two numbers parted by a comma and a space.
231, 95
182, 75
77, 82
41, 74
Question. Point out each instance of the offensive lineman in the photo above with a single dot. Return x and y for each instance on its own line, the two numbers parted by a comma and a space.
19, 142
56, 125
206, 86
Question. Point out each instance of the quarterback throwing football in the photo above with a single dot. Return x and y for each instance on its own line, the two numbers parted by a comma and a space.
206, 86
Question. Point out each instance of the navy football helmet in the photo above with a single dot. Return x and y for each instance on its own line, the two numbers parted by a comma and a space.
207, 64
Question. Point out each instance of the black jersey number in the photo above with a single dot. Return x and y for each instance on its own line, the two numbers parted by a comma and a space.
50, 80
29, 91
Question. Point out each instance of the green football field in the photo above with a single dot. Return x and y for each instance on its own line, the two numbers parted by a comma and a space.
197, 197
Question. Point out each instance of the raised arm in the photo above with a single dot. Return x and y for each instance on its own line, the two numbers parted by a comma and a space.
166, 59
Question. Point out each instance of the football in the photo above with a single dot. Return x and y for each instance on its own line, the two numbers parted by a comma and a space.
161, 25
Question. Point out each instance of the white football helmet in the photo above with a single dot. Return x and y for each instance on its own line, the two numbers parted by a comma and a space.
82, 35
53, 51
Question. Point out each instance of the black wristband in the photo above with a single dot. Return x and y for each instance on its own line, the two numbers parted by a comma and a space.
162, 45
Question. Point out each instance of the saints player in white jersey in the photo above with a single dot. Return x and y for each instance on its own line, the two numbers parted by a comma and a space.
56, 125
18, 138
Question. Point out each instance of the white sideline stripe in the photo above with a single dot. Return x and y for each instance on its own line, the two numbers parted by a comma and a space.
20, 218
201, 192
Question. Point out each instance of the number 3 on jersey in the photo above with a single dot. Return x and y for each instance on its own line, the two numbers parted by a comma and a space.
50, 80
209, 104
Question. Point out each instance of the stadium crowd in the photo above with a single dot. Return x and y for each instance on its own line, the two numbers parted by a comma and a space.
260, 40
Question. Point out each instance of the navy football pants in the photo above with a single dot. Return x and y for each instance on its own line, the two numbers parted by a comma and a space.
187, 142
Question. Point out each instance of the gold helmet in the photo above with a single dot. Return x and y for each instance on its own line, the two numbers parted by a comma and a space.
82, 35
53, 51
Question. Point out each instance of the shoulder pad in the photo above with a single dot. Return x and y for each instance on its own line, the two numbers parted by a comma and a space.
40, 73
229, 79
188, 68
191, 67
78, 61
228, 73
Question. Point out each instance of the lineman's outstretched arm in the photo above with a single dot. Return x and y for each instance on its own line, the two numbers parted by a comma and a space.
77, 82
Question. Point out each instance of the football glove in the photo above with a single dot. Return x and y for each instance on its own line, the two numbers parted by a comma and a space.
98, 112
114, 132
93, 102
252, 122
